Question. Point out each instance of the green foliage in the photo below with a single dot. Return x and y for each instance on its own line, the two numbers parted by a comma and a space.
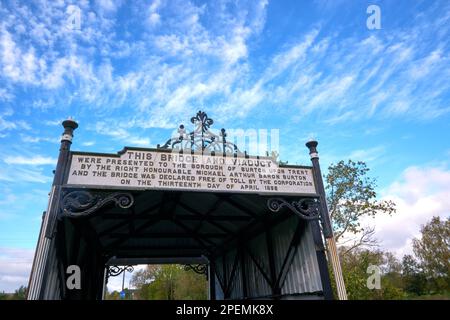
191, 286
19, 294
420, 277
351, 196
433, 253
115, 295
354, 268
414, 280
169, 282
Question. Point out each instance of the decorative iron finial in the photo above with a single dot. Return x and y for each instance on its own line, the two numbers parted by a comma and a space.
202, 119
201, 139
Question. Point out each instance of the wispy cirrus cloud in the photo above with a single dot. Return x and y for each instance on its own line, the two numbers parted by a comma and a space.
121, 134
198, 54
153, 84
369, 154
7, 125
88, 143
33, 161
20, 175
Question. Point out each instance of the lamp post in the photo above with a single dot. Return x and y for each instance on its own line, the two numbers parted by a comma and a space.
45, 261
123, 294
326, 222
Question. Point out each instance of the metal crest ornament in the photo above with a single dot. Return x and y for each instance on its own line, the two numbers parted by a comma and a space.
201, 140
307, 209
83, 203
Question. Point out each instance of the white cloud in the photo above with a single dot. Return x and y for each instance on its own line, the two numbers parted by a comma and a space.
115, 283
37, 139
23, 175
15, 267
154, 17
236, 49
56, 122
370, 154
33, 161
423, 67
420, 194
121, 134
287, 58
18, 66
109, 5
203, 55
340, 118
9, 54
329, 92
88, 143
7, 125
5, 95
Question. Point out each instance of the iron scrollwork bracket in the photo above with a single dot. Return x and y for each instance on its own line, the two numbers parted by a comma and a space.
197, 268
307, 208
83, 203
114, 271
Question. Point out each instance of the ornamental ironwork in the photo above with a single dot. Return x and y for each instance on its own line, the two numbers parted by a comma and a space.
201, 139
307, 208
197, 268
83, 203
114, 271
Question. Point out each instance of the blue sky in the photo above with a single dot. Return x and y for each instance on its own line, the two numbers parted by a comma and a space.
131, 72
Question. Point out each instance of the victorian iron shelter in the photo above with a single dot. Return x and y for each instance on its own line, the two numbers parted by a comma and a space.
255, 227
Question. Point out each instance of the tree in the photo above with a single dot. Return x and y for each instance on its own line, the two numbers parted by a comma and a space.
433, 252
414, 280
351, 196
355, 265
392, 270
157, 282
191, 286
20, 294
115, 295
169, 282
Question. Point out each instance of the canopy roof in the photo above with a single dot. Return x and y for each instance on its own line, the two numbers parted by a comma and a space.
179, 226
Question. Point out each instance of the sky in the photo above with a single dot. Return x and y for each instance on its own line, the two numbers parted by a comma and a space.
130, 72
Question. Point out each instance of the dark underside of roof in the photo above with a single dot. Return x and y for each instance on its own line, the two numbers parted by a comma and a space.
176, 224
